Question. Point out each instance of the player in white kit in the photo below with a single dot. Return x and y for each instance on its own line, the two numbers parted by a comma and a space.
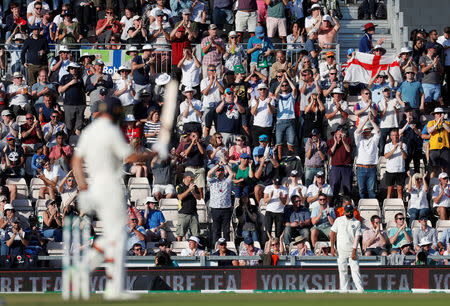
103, 150
345, 233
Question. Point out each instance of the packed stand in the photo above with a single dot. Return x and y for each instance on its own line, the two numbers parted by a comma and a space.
270, 144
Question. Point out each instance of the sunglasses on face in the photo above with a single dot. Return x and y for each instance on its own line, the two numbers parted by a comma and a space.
262, 89
138, 249
400, 218
332, 73
53, 116
212, 70
284, 85
322, 199
29, 118
367, 93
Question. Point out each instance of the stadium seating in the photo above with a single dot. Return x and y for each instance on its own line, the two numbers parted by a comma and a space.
139, 188
35, 185
21, 185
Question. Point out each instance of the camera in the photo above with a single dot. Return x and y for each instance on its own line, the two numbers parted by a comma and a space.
440, 139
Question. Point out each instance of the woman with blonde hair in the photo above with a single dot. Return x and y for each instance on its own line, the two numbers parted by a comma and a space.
152, 127
216, 150
418, 188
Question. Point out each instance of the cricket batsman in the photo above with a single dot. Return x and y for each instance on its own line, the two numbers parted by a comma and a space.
103, 150
345, 233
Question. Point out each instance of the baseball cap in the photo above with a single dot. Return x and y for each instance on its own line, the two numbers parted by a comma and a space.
320, 174
263, 137
212, 27
151, 200
443, 175
259, 31
387, 88
8, 206
6, 112
277, 181
159, 13
103, 91
248, 240
10, 136
315, 6
244, 156
99, 62
348, 208
229, 90
232, 34
350, 51
195, 239
221, 241
189, 173
337, 90
294, 173
186, 11
327, 18
329, 53
3, 198
315, 132
262, 86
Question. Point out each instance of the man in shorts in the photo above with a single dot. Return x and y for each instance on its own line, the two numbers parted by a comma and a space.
276, 19
162, 177
246, 18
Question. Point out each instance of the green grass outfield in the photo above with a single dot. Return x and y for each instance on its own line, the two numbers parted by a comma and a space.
237, 299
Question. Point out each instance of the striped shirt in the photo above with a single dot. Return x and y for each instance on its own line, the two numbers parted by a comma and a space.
150, 128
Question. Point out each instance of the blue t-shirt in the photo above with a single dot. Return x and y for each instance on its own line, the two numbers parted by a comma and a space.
38, 87
154, 219
285, 106
411, 93
229, 119
365, 44
377, 92
323, 222
266, 45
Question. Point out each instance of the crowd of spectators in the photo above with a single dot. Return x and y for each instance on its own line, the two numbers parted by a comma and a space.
260, 129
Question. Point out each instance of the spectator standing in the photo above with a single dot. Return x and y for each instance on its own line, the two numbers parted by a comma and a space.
375, 240
178, 6
97, 81
247, 215
223, 13
235, 54
381, 80
441, 197
162, 171
246, 18
220, 200
439, 130
330, 84
410, 133
365, 44
229, 117
124, 90
257, 45
431, 68
159, 30
365, 106
107, 27
444, 40
309, 90
327, 65
276, 198
190, 69
68, 31
395, 154
315, 155
74, 98
286, 122
211, 88
388, 110
312, 47
15, 50
194, 153
367, 157
313, 21
141, 68
340, 150
213, 48
191, 111
262, 108
411, 92
187, 194
418, 203
276, 18
328, 31
399, 235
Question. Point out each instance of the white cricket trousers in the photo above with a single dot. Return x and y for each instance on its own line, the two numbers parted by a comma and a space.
344, 259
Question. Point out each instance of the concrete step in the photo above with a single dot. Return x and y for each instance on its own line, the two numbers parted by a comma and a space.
345, 37
349, 11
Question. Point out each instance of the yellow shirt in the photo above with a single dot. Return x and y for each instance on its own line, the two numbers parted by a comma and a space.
440, 133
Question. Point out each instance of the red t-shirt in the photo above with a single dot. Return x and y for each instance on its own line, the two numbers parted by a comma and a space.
131, 133
32, 138
177, 49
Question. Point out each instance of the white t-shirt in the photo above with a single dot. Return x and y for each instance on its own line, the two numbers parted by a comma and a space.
126, 98
445, 43
396, 163
293, 190
262, 117
19, 99
367, 149
418, 198
55, 171
161, 39
103, 148
128, 24
313, 190
445, 200
62, 69
309, 21
275, 204
389, 120
192, 115
212, 99
190, 73
330, 107
165, 11
58, 19
346, 230
46, 129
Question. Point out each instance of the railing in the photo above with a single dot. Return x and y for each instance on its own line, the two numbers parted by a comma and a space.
210, 261
163, 53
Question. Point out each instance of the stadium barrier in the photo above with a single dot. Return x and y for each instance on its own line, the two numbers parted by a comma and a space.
314, 278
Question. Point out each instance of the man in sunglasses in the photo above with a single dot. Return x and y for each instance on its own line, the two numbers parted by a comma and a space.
441, 197
411, 92
424, 231
399, 235
345, 234
107, 27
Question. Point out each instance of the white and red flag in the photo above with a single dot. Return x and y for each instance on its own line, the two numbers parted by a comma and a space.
363, 66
